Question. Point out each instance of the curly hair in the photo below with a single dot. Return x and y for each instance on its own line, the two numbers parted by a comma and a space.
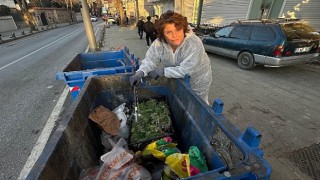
171, 17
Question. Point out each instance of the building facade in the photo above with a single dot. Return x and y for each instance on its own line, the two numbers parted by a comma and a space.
223, 12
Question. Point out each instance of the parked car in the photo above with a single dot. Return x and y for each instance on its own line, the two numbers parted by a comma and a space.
93, 18
206, 28
192, 27
279, 42
111, 20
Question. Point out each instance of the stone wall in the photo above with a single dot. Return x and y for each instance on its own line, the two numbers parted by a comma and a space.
7, 23
52, 16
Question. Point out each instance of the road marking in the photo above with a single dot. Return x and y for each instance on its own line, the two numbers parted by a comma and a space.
13, 62
46, 132
44, 136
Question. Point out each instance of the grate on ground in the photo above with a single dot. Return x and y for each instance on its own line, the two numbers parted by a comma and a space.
308, 160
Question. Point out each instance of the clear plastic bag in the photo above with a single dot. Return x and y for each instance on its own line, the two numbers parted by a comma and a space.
124, 128
89, 174
119, 164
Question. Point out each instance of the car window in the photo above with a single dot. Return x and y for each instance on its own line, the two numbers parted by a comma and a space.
224, 32
262, 33
241, 32
298, 31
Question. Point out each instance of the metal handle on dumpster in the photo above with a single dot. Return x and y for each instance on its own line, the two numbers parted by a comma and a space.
135, 98
119, 61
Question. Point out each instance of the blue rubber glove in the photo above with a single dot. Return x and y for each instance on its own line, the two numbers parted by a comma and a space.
136, 78
156, 73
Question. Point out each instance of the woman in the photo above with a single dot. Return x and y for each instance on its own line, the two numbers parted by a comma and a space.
179, 52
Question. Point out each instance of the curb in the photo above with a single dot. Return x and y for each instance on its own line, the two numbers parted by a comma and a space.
49, 27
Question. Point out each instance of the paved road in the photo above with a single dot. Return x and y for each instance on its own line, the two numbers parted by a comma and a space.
282, 103
29, 91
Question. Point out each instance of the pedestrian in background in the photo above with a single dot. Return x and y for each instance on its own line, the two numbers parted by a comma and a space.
127, 20
156, 20
149, 29
118, 20
140, 24
175, 53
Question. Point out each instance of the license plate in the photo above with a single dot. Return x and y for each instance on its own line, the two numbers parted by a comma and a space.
303, 49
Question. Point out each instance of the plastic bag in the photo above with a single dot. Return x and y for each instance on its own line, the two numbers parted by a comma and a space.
108, 141
186, 165
124, 128
168, 174
89, 174
197, 160
160, 149
119, 152
119, 164
180, 164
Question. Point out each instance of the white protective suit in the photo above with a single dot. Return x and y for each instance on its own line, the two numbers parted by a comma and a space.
189, 58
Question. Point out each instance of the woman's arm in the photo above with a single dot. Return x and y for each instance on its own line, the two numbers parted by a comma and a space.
192, 52
152, 59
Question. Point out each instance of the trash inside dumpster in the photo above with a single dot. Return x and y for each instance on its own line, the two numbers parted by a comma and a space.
198, 131
96, 64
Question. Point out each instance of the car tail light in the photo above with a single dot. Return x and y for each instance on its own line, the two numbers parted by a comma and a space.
288, 53
278, 51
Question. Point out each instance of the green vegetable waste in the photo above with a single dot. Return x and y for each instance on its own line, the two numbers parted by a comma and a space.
154, 121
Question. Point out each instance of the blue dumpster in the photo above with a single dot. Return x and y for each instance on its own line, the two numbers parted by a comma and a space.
76, 145
96, 64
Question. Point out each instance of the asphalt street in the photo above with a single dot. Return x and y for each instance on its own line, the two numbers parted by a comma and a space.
29, 91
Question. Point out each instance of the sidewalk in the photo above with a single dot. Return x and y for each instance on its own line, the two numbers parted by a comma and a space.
117, 36
26, 31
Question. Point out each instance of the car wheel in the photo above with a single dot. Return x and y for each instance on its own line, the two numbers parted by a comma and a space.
246, 61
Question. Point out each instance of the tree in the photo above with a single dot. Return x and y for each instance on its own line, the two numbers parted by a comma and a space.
28, 17
4, 10
121, 11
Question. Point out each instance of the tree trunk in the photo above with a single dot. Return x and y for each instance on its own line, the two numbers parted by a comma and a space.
26, 13
121, 11
137, 5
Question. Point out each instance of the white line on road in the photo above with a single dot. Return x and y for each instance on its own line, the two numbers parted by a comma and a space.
46, 132
44, 136
13, 62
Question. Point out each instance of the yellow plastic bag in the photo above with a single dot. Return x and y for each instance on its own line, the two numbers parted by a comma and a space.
155, 147
180, 164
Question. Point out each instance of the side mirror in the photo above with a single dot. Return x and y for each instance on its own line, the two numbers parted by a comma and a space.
214, 35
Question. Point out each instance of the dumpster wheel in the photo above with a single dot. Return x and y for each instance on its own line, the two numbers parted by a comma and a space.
225, 155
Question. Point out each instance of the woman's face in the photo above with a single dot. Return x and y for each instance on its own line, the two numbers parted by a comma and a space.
173, 35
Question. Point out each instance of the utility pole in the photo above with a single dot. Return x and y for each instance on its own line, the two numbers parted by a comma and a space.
88, 26
199, 13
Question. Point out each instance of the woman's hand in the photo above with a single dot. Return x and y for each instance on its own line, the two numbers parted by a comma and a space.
136, 79
156, 73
